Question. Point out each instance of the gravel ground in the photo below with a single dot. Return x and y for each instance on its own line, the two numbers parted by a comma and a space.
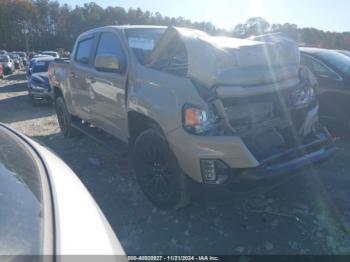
309, 214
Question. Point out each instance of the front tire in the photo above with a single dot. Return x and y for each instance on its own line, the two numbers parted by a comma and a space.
65, 119
157, 171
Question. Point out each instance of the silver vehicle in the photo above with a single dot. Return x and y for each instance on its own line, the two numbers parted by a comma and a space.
45, 209
199, 112
7, 63
51, 53
23, 56
17, 60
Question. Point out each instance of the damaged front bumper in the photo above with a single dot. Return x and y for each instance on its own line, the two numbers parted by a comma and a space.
239, 167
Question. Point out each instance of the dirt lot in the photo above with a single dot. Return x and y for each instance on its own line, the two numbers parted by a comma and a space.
308, 214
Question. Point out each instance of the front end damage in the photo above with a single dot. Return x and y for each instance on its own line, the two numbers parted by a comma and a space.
264, 115
281, 135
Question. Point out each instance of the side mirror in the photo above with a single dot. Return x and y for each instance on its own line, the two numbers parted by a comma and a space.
108, 63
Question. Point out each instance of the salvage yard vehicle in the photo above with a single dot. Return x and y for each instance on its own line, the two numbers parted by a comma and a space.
43, 204
7, 64
332, 70
197, 111
38, 82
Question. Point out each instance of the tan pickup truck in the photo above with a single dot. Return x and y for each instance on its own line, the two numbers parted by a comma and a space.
197, 111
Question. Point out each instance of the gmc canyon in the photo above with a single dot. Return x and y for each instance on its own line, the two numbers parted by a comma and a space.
197, 111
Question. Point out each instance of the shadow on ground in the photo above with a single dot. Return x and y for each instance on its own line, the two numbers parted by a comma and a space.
296, 217
18, 106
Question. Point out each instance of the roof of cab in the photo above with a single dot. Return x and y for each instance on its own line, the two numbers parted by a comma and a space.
123, 27
313, 50
45, 58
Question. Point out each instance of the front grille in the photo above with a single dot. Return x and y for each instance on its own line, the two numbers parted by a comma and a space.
244, 113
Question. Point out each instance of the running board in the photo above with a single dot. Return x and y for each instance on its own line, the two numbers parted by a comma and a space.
101, 137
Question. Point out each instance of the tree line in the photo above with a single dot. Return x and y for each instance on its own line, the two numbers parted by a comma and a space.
48, 25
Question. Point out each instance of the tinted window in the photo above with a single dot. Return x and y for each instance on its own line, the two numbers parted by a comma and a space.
109, 44
339, 61
41, 66
316, 67
21, 198
83, 51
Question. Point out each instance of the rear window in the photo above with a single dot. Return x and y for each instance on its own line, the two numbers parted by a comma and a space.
41, 66
22, 217
83, 51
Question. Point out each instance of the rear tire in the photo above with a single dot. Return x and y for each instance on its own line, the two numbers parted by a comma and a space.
157, 171
65, 119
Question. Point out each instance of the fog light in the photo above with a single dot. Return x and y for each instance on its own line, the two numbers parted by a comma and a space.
208, 170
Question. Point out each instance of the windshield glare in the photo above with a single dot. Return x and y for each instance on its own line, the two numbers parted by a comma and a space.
143, 41
339, 61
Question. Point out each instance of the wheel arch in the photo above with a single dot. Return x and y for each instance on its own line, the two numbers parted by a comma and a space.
138, 122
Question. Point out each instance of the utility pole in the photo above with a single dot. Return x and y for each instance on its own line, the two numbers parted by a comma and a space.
25, 31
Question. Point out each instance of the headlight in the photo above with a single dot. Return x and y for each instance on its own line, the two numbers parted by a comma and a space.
302, 95
196, 120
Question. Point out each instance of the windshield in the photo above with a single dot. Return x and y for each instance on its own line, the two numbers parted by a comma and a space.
21, 198
339, 61
4, 59
142, 41
50, 53
40, 66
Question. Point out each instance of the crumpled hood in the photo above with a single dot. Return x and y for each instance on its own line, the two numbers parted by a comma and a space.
214, 60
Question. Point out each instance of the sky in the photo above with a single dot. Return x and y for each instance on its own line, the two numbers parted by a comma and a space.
330, 15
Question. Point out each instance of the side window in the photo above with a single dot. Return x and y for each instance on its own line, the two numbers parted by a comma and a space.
320, 69
83, 51
109, 44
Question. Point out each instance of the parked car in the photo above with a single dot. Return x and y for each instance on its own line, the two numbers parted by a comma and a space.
23, 55
32, 61
45, 209
3, 52
38, 82
51, 53
199, 112
332, 71
17, 61
1, 72
7, 64
344, 52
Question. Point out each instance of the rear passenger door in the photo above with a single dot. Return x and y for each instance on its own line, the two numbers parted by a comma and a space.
108, 88
80, 65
